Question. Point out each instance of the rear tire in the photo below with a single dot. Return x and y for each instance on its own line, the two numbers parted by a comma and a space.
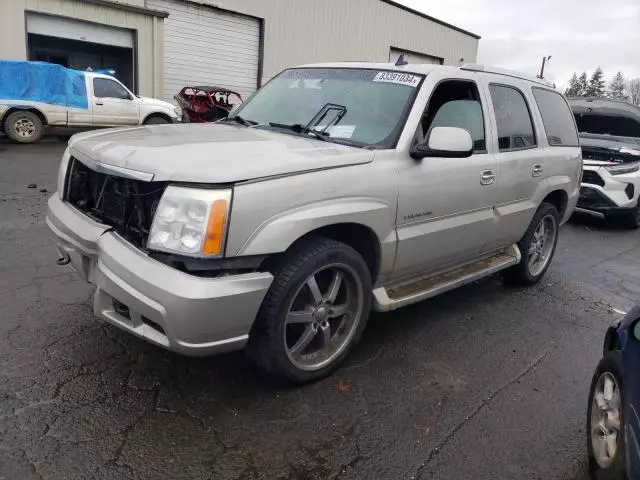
23, 127
613, 467
303, 331
156, 120
528, 272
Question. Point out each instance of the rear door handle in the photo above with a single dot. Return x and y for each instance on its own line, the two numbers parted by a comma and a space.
487, 177
536, 171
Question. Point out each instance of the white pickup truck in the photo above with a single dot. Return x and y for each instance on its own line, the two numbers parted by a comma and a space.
108, 103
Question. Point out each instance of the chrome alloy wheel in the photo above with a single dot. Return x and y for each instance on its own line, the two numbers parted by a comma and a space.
542, 243
323, 316
605, 420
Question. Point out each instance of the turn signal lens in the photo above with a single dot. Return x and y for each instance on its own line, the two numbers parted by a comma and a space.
215, 230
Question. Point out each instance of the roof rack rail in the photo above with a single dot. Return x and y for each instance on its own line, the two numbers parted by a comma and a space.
475, 67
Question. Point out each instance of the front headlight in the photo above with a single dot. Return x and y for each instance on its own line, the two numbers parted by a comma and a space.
178, 111
623, 168
62, 172
191, 221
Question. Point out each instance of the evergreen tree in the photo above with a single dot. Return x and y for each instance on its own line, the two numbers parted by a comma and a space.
573, 88
617, 87
582, 85
596, 84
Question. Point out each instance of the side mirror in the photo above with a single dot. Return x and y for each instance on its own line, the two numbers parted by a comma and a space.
444, 142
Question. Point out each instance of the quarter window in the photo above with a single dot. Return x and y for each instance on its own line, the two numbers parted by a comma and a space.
105, 88
515, 129
556, 117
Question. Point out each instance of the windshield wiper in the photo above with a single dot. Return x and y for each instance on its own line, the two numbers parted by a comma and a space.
301, 129
241, 121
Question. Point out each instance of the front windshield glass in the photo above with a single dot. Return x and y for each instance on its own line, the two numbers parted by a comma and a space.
352, 106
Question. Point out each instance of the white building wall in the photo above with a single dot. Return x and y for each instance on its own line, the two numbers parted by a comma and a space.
305, 31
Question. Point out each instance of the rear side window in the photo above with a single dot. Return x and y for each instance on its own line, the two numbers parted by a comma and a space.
515, 129
557, 118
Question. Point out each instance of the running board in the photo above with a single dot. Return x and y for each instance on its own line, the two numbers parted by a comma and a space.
401, 294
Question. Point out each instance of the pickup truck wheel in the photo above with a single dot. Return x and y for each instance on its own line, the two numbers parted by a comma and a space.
314, 313
537, 247
23, 127
156, 120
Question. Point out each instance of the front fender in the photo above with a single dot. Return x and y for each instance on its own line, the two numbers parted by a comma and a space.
278, 233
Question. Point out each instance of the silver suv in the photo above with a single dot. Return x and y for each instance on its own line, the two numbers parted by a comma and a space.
335, 189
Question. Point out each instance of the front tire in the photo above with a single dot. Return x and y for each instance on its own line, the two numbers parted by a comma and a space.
23, 127
156, 120
537, 247
605, 432
314, 313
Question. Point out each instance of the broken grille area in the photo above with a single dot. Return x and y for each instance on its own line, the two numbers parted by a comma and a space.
125, 204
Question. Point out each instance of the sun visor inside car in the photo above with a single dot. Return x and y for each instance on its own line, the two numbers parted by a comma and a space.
42, 82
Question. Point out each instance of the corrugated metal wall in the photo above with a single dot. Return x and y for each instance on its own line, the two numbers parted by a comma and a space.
304, 31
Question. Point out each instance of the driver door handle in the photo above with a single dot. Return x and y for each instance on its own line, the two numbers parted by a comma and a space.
487, 177
99, 102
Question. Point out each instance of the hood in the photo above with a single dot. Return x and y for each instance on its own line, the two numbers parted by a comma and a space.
211, 153
157, 103
597, 150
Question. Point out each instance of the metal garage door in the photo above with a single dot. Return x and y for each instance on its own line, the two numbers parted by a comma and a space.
413, 57
206, 46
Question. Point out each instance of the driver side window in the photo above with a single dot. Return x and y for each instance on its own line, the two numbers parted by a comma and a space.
456, 103
105, 88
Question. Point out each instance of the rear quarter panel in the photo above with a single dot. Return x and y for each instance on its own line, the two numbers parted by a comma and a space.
54, 114
268, 216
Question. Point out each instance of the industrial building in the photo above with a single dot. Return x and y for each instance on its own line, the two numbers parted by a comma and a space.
158, 46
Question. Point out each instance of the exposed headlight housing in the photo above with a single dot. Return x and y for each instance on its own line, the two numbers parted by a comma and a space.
630, 151
191, 221
62, 172
178, 111
623, 168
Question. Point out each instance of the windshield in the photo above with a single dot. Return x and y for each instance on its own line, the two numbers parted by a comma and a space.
356, 107
615, 125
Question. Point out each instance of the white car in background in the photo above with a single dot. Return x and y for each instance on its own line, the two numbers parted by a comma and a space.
36, 95
610, 140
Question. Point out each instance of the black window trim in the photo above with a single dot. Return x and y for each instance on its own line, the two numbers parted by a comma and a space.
533, 124
542, 117
113, 81
484, 117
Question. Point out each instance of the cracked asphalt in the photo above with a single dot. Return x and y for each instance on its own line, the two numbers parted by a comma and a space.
486, 382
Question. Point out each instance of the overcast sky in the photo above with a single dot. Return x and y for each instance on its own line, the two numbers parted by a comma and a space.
578, 34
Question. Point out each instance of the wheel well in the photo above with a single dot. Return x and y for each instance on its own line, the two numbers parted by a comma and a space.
159, 115
359, 237
35, 111
611, 340
558, 199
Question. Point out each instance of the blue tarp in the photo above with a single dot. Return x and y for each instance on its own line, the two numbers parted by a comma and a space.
42, 82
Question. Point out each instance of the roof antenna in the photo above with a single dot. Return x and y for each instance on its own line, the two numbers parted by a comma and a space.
401, 62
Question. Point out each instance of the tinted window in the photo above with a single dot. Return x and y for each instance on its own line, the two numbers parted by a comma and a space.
105, 88
608, 125
556, 117
457, 104
515, 129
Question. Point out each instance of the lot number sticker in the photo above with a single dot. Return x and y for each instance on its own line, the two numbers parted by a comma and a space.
400, 78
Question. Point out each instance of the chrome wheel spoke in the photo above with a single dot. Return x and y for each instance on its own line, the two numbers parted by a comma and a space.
612, 444
312, 283
334, 288
304, 340
338, 311
326, 335
608, 389
300, 317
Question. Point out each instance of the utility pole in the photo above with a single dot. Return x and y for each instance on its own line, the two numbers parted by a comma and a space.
544, 62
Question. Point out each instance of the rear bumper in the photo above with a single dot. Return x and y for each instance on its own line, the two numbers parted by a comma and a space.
183, 313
